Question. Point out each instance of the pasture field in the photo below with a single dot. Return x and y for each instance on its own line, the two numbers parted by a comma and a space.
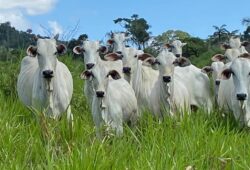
28, 141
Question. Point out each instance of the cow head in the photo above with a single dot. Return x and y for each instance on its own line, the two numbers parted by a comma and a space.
117, 41
100, 78
176, 47
90, 50
239, 70
215, 69
46, 52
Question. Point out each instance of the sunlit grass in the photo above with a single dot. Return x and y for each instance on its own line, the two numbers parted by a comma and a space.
28, 141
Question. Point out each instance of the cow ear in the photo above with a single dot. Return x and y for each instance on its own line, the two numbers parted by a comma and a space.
114, 74
149, 61
226, 74
103, 50
78, 50
245, 55
31, 51
86, 74
207, 69
113, 57
144, 56
110, 41
245, 43
183, 44
225, 46
182, 62
167, 45
218, 57
61, 49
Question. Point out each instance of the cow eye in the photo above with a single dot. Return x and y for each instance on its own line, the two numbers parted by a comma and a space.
56, 53
232, 73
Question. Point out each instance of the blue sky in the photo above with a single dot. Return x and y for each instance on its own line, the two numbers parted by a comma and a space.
96, 17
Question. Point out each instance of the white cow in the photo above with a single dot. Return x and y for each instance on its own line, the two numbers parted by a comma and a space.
235, 89
114, 101
195, 81
142, 78
215, 69
169, 95
117, 41
176, 47
44, 83
91, 50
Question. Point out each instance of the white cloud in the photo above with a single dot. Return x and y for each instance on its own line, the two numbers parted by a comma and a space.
55, 27
31, 7
16, 19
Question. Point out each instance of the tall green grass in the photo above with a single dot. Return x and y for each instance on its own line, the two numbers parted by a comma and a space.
28, 141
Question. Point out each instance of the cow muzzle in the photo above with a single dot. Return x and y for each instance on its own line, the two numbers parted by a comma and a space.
241, 96
99, 94
217, 82
48, 74
126, 70
166, 79
90, 65
177, 55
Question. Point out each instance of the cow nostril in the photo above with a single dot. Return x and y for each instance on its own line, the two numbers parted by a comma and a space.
99, 93
177, 55
241, 96
90, 65
118, 52
47, 73
126, 69
217, 82
166, 79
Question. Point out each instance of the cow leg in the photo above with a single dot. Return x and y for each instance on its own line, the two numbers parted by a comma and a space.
70, 118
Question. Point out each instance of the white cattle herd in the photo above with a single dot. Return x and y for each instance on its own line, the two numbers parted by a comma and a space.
126, 81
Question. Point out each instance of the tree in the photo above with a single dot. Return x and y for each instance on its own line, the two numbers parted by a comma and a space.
220, 34
137, 27
246, 21
170, 35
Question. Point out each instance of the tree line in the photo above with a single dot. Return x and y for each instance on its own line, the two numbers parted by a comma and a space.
12, 40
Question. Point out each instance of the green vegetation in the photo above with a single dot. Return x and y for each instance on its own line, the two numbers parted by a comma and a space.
29, 141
